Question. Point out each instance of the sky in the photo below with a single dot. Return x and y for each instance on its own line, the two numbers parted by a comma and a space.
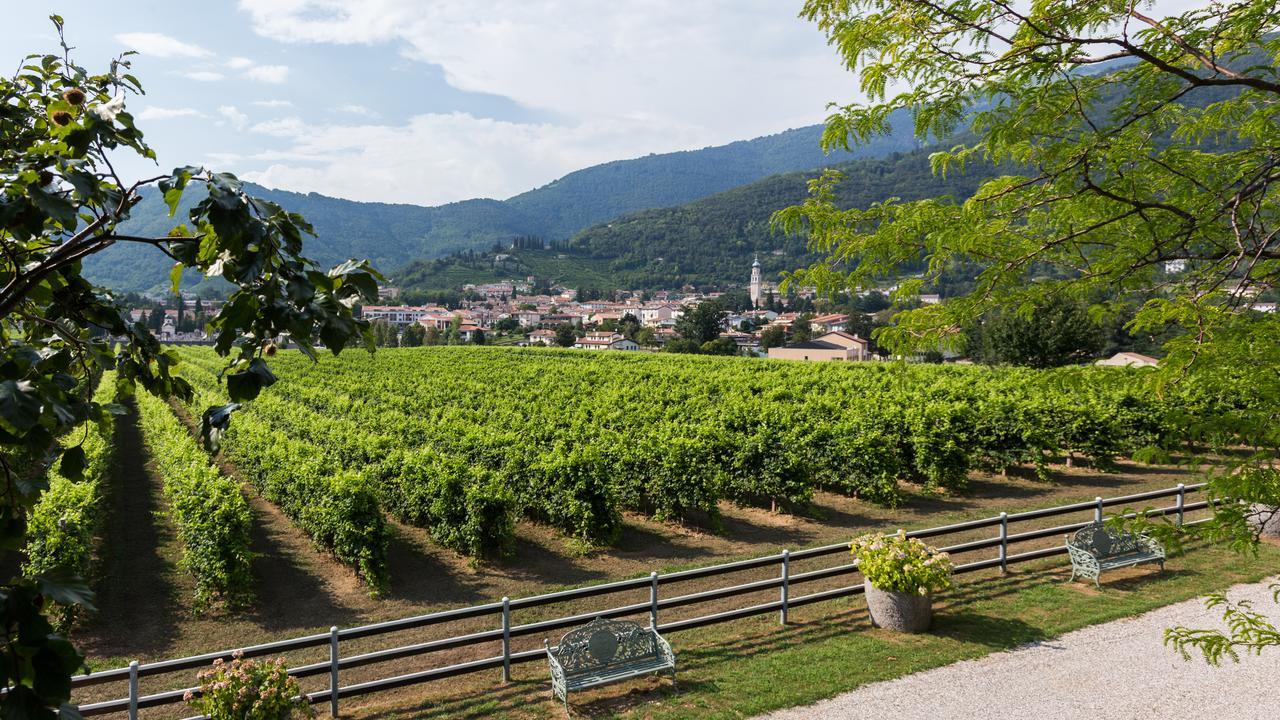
434, 101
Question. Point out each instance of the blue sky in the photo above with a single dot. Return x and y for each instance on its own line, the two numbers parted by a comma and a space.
432, 101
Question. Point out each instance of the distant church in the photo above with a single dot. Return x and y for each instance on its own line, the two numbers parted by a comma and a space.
755, 283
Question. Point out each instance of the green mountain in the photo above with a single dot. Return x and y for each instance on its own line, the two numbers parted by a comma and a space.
394, 235
706, 243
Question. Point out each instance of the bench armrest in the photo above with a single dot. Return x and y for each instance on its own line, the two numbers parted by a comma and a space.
664, 648
1081, 557
1150, 544
557, 670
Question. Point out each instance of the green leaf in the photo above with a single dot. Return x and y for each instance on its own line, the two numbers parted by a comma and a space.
55, 207
73, 463
20, 406
175, 277
65, 588
246, 385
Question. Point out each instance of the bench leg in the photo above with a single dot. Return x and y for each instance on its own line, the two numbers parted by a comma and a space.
1095, 581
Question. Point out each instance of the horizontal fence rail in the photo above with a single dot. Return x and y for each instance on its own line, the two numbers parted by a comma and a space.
504, 630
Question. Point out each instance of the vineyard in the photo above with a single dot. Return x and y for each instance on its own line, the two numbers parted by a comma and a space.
464, 441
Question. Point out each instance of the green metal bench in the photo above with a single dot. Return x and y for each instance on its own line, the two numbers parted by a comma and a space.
1094, 548
606, 651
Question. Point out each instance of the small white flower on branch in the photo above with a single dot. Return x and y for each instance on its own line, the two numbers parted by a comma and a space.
109, 110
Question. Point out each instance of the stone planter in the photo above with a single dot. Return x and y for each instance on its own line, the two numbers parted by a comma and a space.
1265, 520
904, 612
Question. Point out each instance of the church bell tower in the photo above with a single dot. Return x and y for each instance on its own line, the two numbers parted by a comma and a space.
755, 282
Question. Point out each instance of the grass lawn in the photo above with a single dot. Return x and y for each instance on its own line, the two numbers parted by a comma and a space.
752, 666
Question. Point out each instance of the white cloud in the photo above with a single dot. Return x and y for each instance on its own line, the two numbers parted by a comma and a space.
284, 127
204, 76
439, 158
621, 79
272, 103
357, 110
151, 112
161, 46
274, 74
239, 63
735, 68
232, 115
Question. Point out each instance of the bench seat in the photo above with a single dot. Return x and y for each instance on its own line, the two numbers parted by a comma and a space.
604, 652
1095, 548
605, 676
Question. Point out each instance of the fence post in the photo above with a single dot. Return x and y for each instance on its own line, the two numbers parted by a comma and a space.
786, 586
133, 690
653, 600
1004, 542
506, 639
1182, 501
1097, 511
333, 671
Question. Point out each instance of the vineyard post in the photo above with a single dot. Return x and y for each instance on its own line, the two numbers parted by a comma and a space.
1097, 511
786, 582
133, 690
1182, 501
506, 639
1004, 542
653, 599
333, 671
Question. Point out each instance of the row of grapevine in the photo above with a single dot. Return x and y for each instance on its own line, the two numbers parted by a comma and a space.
335, 504
460, 439
62, 525
210, 512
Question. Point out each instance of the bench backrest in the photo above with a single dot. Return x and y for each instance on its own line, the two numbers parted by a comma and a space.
1102, 542
604, 643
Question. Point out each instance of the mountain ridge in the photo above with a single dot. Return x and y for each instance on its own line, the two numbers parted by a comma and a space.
393, 235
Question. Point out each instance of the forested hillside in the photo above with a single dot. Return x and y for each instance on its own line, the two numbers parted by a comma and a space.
708, 242
394, 235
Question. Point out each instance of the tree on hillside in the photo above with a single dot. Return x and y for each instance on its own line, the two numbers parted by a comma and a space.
1128, 141
566, 336
703, 322
773, 336
801, 329
62, 201
385, 334
507, 325
432, 337
628, 326
1050, 336
413, 336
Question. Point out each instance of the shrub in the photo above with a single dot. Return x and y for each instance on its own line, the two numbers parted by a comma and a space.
210, 511
898, 563
338, 508
462, 505
249, 690
62, 525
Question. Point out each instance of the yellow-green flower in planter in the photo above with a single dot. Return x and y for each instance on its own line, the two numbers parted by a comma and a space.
898, 563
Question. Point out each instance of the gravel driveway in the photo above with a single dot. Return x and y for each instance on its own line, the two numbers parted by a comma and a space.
1118, 670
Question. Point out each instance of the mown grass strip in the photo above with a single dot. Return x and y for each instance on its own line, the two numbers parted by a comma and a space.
743, 668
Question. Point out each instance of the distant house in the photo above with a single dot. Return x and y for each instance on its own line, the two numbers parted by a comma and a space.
605, 341
544, 336
829, 323
832, 346
527, 318
1129, 359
